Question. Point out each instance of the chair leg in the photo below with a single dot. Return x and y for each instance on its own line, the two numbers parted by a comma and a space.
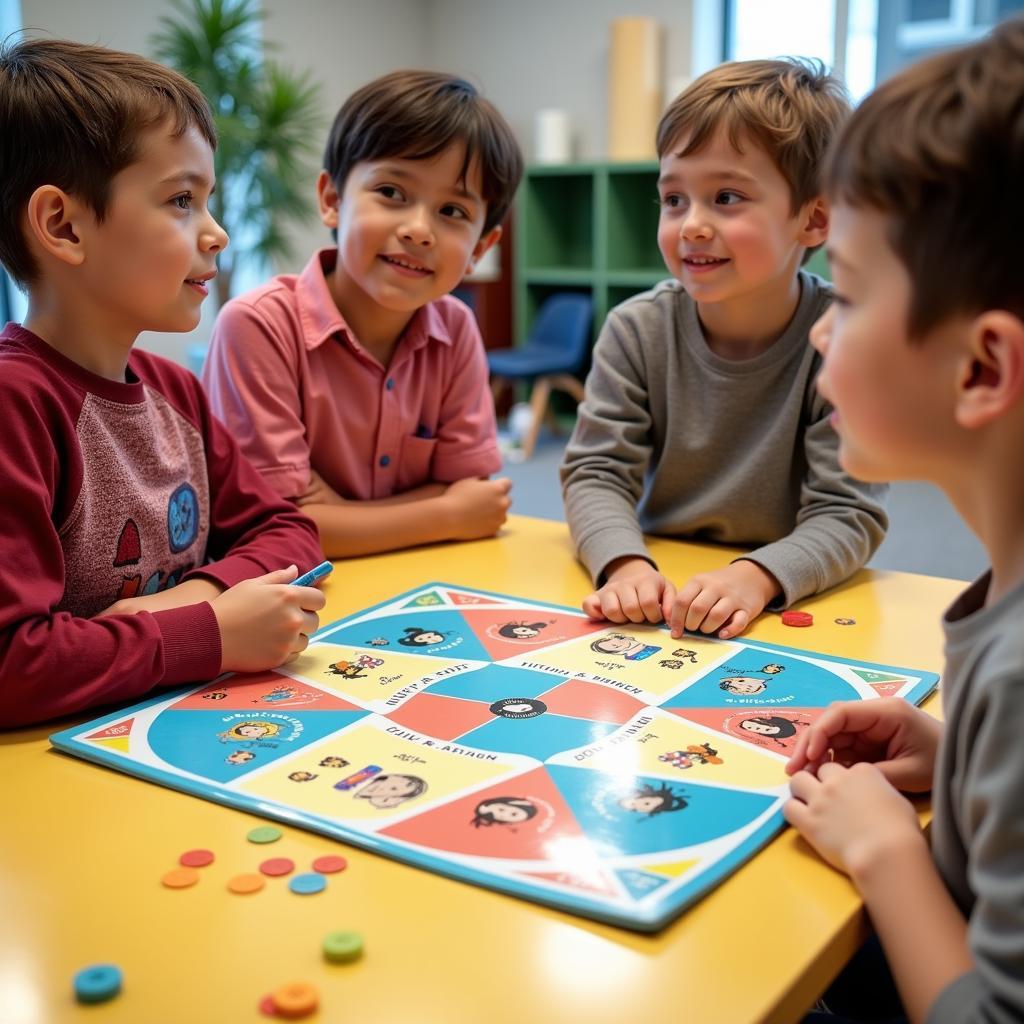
538, 406
569, 384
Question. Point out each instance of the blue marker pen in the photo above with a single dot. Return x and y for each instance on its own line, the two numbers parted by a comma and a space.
314, 576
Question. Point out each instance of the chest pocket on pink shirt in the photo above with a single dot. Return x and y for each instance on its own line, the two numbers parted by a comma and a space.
416, 463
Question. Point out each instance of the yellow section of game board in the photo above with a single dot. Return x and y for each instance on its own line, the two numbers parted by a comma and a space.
421, 771
643, 656
368, 675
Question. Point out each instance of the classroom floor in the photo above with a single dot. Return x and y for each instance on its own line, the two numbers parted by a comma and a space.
925, 534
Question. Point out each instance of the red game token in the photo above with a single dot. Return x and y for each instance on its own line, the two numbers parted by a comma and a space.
277, 866
797, 619
267, 1006
328, 865
196, 858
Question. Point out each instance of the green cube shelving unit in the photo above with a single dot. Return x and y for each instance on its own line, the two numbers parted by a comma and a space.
589, 227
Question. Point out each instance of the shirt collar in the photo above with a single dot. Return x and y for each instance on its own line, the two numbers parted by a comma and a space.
321, 319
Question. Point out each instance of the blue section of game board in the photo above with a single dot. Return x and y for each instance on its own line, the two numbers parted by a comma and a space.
201, 741
539, 737
798, 684
458, 639
641, 883
495, 682
710, 812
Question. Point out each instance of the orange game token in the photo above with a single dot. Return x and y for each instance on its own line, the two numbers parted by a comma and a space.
277, 866
797, 619
297, 999
196, 858
246, 883
180, 878
328, 865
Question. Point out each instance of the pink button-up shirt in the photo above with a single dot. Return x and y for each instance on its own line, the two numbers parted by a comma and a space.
298, 391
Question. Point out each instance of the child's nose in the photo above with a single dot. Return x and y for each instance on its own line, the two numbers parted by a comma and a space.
695, 224
821, 332
416, 227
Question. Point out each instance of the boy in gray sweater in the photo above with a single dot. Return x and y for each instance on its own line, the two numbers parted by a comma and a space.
701, 419
924, 360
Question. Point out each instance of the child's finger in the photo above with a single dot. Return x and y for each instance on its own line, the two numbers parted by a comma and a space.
718, 614
650, 601
592, 606
285, 575
737, 622
611, 606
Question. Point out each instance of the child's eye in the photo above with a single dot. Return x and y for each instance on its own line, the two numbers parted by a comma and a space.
389, 192
183, 201
728, 198
451, 210
671, 202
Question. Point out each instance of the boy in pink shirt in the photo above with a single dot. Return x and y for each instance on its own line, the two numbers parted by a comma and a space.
359, 387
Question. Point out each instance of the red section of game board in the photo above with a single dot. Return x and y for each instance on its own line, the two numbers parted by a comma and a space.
596, 881
450, 827
552, 627
443, 717
264, 691
462, 599
580, 699
728, 720
888, 689
113, 732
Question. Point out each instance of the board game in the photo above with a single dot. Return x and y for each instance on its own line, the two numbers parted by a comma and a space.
605, 770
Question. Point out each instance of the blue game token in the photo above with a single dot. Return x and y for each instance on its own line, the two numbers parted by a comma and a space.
307, 884
98, 983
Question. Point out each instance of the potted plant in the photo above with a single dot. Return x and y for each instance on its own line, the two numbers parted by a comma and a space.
268, 121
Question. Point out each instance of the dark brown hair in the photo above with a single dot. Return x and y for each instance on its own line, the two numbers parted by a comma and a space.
71, 116
939, 151
416, 115
792, 108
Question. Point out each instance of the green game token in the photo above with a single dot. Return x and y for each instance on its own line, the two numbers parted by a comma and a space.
264, 834
340, 947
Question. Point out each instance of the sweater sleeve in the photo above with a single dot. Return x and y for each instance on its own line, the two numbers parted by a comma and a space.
51, 662
993, 829
609, 452
839, 524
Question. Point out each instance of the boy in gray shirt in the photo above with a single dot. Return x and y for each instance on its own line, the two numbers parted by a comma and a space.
924, 360
701, 418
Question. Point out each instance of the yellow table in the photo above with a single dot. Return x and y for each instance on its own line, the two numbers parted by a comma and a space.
82, 850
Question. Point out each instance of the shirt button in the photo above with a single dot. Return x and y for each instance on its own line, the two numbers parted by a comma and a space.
390, 384
385, 460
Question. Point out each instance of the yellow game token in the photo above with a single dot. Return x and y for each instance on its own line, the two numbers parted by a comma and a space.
297, 999
246, 883
180, 878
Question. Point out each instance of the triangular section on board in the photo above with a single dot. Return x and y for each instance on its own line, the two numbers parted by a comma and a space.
770, 728
870, 676
437, 632
427, 599
261, 691
889, 689
119, 730
522, 818
508, 632
122, 744
640, 883
224, 744
593, 881
672, 868
638, 815
460, 597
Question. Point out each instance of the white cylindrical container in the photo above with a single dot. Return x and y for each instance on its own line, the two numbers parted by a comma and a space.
551, 137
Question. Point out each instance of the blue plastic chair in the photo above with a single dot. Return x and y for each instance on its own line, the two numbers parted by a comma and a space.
552, 356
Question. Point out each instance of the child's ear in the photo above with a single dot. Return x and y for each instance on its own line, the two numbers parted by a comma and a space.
814, 222
991, 377
486, 241
53, 220
328, 199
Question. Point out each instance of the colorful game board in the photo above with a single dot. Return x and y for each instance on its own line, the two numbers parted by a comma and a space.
612, 772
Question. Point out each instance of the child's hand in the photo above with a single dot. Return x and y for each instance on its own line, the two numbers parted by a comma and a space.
723, 602
318, 493
476, 508
898, 738
191, 591
264, 622
851, 816
635, 592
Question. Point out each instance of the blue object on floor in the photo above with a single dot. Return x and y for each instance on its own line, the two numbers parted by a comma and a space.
552, 356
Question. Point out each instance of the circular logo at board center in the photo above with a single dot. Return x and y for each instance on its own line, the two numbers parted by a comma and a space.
518, 707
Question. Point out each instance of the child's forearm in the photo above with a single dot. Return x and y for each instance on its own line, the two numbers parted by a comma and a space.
416, 494
363, 528
921, 928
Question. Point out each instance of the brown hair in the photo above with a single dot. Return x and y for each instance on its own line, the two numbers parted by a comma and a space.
939, 151
416, 115
71, 116
791, 108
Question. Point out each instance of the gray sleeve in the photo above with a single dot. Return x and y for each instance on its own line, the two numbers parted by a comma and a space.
607, 456
992, 821
839, 524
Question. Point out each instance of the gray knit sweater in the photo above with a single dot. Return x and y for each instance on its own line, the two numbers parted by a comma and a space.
675, 440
